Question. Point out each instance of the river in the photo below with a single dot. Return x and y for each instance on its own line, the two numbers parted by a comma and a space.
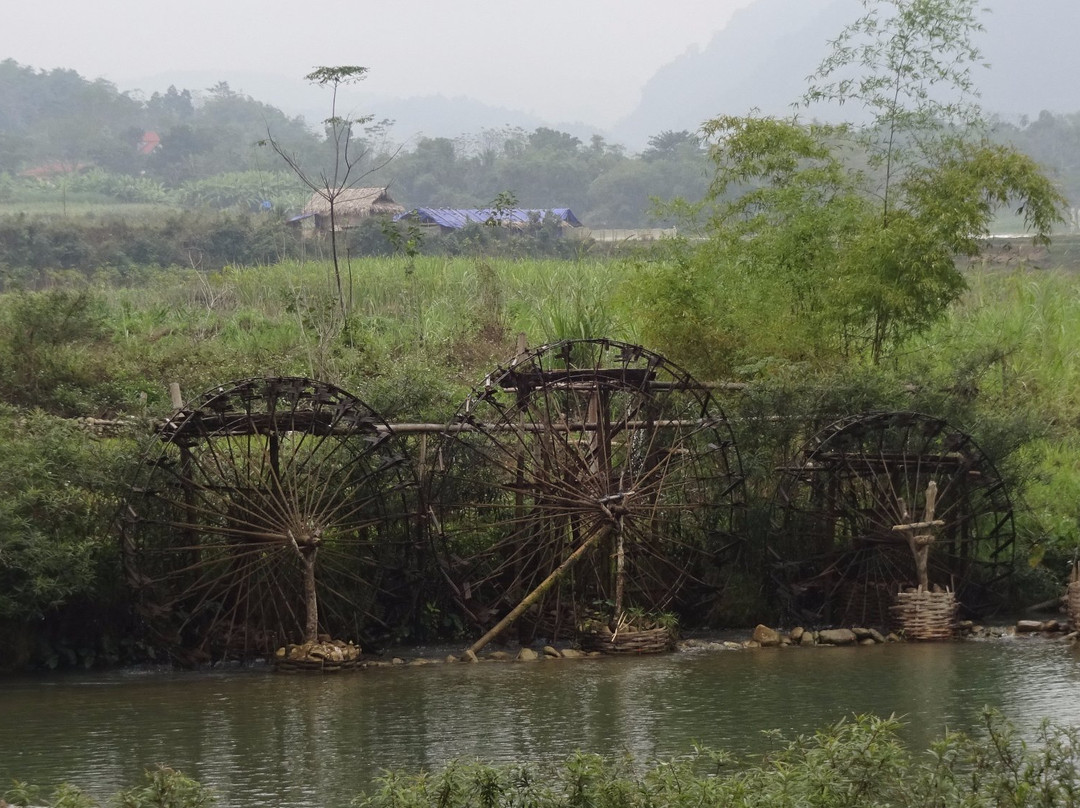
261, 738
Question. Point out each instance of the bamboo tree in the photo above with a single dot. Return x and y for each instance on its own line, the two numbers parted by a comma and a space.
909, 64
848, 234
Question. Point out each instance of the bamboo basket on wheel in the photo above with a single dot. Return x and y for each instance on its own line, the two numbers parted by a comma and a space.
638, 634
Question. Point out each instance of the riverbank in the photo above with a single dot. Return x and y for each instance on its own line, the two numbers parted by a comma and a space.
761, 636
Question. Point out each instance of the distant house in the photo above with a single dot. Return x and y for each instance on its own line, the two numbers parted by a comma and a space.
447, 219
148, 143
351, 206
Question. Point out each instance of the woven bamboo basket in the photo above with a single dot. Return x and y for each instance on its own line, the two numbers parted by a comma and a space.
649, 641
313, 665
322, 657
1072, 601
923, 615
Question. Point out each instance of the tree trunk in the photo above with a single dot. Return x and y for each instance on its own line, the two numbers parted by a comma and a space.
311, 601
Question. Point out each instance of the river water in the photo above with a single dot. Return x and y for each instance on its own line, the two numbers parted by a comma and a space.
262, 738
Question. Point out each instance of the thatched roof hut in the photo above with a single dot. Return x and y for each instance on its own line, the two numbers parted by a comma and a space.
350, 206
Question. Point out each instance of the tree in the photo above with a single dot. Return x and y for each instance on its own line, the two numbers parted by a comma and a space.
909, 64
347, 167
174, 107
840, 241
501, 209
670, 145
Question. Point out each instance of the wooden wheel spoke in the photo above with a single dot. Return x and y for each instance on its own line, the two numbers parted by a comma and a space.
569, 447
256, 483
843, 506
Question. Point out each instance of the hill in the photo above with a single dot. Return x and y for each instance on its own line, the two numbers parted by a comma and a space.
763, 56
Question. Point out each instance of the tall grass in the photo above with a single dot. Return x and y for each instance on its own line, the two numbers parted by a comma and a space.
429, 316
422, 331
434, 299
1012, 345
1025, 327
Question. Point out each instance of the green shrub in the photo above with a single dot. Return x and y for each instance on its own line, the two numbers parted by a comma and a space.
856, 763
166, 788
59, 565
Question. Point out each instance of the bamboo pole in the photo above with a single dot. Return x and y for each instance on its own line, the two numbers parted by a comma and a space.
601, 532
620, 577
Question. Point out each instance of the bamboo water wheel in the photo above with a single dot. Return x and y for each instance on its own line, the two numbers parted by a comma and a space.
839, 550
586, 477
270, 511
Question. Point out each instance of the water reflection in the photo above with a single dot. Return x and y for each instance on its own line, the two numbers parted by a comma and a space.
258, 738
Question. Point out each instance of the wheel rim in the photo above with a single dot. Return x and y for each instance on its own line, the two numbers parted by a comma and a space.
571, 441
253, 494
838, 553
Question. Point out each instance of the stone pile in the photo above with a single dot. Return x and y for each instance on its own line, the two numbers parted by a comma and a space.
521, 655
766, 637
1051, 629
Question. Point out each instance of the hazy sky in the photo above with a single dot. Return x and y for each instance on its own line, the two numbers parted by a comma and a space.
561, 61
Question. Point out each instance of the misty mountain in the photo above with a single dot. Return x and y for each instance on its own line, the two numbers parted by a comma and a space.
413, 117
759, 61
762, 58
439, 116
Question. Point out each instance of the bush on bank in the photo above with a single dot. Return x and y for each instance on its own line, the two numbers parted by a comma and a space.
62, 601
856, 763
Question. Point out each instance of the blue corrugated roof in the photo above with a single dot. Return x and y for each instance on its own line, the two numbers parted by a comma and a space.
456, 218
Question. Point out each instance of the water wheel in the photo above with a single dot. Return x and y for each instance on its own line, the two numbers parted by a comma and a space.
269, 510
846, 503
584, 476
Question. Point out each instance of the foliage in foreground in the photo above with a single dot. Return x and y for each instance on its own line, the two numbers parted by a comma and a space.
856, 762
164, 788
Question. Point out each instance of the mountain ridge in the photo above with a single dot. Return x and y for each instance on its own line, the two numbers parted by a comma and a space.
759, 61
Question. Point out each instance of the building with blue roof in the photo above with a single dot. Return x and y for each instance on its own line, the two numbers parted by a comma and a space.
447, 219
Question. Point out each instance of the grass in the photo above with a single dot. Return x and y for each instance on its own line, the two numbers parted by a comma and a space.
1012, 344
453, 319
83, 205
422, 332
1017, 335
